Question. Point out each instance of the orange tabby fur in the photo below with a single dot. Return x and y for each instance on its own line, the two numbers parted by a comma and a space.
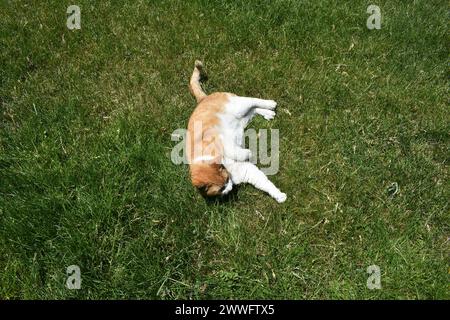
209, 176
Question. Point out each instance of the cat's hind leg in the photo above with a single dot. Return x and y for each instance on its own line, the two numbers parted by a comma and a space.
267, 114
241, 106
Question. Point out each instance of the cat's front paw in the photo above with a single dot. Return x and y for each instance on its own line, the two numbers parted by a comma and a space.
280, 198
248, 154
243, 155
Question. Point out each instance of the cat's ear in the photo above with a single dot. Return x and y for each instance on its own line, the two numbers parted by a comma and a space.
213, 190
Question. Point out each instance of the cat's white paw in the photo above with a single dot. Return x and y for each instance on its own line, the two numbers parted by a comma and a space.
269, 115
266, 113
248, 155
281, 197
244, 155
271, 104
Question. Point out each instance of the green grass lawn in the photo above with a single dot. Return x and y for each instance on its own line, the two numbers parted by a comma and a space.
86, 118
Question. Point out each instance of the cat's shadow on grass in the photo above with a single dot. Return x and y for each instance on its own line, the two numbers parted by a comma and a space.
232, 196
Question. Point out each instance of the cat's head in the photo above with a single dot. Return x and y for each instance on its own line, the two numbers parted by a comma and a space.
211, 179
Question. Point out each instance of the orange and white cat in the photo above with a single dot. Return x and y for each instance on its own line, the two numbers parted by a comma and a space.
215, 140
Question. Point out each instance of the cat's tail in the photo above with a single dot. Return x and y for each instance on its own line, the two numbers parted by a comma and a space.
194, 84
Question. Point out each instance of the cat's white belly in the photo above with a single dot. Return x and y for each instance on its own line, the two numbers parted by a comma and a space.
232, 130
